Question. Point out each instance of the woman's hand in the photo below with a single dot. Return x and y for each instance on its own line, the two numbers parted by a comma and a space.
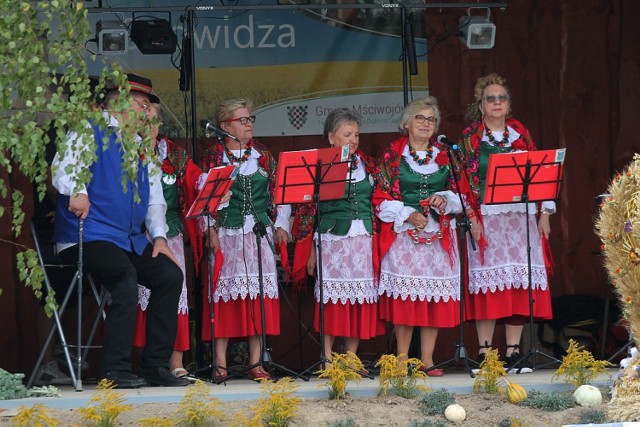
311, 263
212, 239
224, 199
476, 229
543, 225
438, 202
281, 236
418, 220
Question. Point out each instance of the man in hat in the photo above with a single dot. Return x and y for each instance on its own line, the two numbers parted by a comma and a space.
116, 248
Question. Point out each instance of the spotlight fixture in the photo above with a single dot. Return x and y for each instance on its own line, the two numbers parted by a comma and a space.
478, 32
153, 36
112, 36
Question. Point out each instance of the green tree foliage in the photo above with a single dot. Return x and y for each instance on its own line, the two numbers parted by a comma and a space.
44, 84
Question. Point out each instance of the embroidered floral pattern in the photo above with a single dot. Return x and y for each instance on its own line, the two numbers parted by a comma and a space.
167, 167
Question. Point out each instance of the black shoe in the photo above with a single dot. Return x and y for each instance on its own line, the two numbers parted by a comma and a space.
124, 379
163, 377
520, 368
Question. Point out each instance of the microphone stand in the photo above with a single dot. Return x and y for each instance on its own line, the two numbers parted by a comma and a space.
260, 231
463, 227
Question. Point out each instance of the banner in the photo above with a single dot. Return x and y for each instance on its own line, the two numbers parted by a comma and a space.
296, 65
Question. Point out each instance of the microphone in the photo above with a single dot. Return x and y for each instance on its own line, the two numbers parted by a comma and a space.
210, 127
443, 140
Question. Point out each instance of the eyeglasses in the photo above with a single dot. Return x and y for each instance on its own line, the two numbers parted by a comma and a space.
243, 120
145, 107
493, 98
421, 119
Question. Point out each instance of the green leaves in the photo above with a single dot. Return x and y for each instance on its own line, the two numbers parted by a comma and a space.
45, 92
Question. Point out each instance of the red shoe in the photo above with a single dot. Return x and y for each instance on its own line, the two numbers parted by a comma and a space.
432, 372
258, 375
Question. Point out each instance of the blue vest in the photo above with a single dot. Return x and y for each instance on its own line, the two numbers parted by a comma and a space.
114, 215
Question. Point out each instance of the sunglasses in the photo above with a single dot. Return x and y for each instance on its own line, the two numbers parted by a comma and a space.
493, 98
242, 120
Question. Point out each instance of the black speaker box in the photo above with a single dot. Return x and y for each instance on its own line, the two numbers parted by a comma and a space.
154, 36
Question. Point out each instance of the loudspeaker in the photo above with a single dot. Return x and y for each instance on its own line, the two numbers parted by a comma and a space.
153, 36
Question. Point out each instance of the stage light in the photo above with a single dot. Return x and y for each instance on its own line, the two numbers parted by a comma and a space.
478, 32
112, 36
153, 36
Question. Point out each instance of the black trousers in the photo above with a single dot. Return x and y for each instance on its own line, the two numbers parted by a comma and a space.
120, 272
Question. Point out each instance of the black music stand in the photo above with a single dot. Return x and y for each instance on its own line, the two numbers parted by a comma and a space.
313, 176
463, 227
525, 177
218, 183
260, 231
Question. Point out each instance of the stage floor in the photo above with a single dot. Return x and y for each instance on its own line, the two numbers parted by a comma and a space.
455, 380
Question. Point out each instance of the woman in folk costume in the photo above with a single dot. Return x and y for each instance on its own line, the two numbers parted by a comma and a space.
419, 272
498, 273
236, 294
350, 291
175, 161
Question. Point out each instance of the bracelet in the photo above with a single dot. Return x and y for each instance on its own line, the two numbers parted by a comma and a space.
547, 212
472, 214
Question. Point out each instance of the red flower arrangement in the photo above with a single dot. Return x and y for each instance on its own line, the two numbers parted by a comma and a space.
167, 167
442, 159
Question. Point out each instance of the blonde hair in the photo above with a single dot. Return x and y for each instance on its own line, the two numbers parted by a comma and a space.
473, 112
226, 108
414, 107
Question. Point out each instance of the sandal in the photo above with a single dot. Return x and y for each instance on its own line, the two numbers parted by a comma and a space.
258, 375
220, 376
183, 373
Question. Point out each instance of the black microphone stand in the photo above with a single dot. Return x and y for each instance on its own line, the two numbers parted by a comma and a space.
463, 227
260, 231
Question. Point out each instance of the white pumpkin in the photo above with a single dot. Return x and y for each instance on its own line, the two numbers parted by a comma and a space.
587, 395
455, 413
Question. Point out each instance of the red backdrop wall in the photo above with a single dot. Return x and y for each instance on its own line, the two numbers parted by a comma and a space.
573, 70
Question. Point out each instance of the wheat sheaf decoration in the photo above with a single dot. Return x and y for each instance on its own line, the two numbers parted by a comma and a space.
618, 226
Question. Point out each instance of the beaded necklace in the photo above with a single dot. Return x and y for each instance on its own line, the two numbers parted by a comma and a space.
354, 163
418, 160
492, 139
245, 155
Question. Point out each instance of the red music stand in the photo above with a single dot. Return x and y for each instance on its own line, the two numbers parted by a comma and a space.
219, 181
524, 177
312, 176
297, 172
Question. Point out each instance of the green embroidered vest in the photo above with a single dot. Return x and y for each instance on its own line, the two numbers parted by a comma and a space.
416, 186
170, 192
336, 215
256, 189
485, 151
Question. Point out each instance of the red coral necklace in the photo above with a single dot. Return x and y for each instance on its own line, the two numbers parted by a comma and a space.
492, 139
426, 159
245, 155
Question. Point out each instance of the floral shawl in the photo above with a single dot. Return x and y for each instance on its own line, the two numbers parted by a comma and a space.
304, 227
